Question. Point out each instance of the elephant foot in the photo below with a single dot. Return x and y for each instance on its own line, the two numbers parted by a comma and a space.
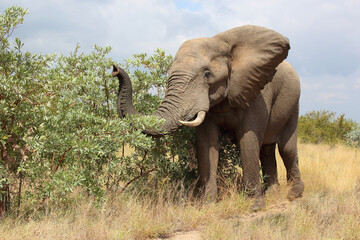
209, 198
258, 204
296, 190
206, 194
205, 198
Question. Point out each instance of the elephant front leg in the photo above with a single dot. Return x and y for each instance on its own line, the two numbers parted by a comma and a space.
207, 148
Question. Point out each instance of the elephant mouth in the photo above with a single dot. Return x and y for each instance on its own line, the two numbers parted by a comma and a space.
197, 120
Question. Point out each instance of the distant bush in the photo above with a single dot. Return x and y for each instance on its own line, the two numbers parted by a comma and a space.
324, 127
353, 137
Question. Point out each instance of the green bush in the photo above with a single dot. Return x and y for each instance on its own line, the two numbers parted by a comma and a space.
353, 137
323, 127
59, 130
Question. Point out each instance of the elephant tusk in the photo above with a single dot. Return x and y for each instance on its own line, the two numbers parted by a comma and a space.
199, 119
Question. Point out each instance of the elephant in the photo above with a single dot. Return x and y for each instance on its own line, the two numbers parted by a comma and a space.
237, 80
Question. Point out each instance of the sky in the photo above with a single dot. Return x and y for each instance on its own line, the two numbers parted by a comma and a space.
324, 35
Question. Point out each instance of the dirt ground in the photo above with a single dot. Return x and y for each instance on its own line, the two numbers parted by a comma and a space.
192, 235
274, 209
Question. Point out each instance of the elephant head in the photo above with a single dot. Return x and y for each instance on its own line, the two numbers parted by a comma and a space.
232, 66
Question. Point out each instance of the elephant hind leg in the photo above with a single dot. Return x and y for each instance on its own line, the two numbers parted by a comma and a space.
288, 152
268, 165
249, 150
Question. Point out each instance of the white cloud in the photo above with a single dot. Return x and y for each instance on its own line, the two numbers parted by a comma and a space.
323, 34
332, 97
357, 83
312, 86
339, 86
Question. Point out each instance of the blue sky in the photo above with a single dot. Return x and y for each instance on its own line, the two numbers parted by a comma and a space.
324, 35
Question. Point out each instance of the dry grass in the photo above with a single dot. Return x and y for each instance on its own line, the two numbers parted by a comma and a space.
329, 209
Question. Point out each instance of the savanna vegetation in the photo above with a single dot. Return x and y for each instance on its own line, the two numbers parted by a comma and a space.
69, 168
325, 127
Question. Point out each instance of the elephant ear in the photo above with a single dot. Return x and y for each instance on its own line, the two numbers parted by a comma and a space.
255, 53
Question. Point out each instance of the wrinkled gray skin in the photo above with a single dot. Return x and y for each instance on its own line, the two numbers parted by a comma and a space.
240, 79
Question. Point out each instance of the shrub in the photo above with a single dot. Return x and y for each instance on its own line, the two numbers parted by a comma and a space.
59, 130
58, 124
353, 137
323, 127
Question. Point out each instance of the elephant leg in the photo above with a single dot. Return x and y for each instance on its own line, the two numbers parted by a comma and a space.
249, 150
207, 149
288, 152
268, 165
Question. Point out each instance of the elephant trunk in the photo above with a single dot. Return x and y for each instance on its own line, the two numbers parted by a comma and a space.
124, 96
168, 110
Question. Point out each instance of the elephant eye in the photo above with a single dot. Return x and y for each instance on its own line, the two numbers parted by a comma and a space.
207, 74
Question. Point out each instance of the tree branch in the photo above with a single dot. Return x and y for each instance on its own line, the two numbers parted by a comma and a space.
62, 158
137, 177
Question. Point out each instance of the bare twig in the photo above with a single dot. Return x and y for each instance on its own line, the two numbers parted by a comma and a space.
19, 192
142, 174
123, 149
137, 177
62, 158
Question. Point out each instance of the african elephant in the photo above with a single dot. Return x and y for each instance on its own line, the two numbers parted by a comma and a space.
237, 80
